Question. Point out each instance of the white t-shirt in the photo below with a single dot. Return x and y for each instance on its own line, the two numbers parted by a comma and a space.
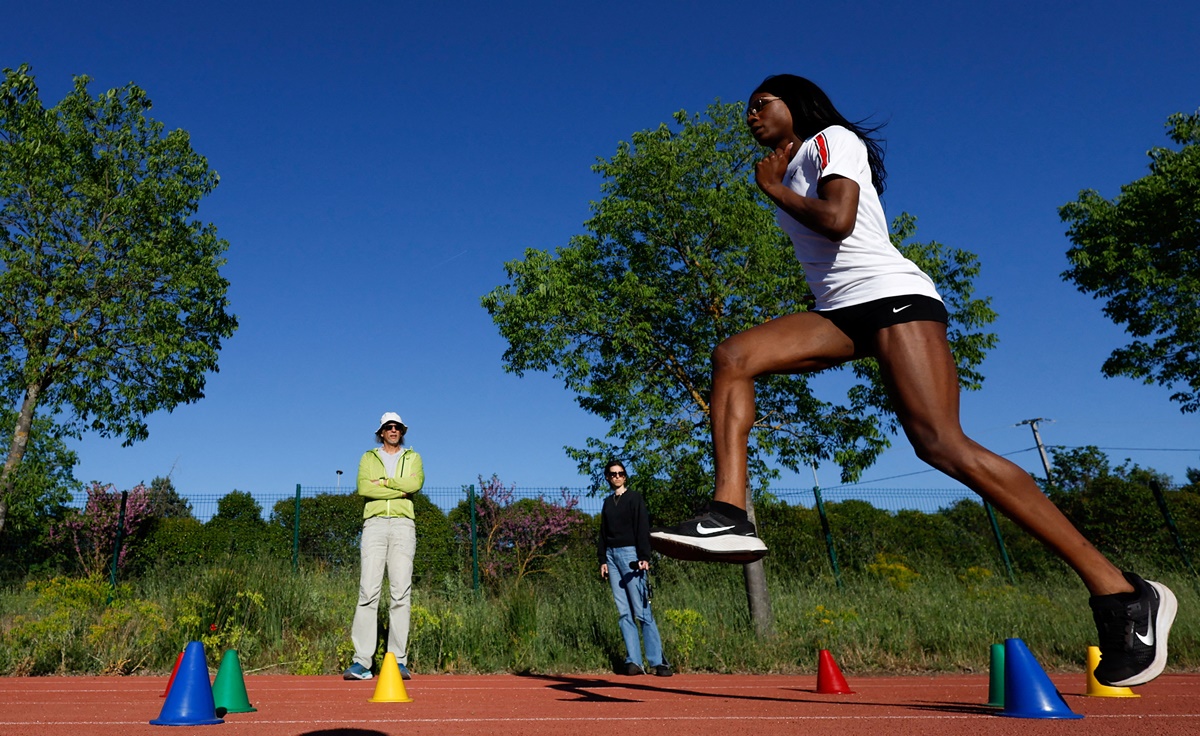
865, 266
390, 460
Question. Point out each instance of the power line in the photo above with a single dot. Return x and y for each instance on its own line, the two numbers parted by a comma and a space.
1141, 449
1015, 452
916, 472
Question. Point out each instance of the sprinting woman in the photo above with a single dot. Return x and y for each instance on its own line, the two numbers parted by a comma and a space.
825, 175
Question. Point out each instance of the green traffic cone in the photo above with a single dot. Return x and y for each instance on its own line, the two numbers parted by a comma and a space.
229, 689
996, 680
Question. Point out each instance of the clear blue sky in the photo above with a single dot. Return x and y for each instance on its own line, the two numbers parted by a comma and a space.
380, 162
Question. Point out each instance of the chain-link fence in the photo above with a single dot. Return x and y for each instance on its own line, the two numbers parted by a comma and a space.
322, 523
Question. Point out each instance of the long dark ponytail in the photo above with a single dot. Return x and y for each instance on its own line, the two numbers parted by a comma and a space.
812, 112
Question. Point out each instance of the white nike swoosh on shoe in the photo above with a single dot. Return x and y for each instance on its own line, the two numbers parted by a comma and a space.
701, 529
1148, 639
897, 310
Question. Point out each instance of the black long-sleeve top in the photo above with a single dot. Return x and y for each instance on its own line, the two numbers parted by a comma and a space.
624, 522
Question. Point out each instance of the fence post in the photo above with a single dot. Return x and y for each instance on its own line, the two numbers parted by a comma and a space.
112, 577
837, 573
999, 541
296, 533
1156, 489
474, 540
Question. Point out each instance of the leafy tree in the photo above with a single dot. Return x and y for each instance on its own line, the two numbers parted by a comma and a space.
165, 501
238, 527
681, 253
111, 300
43, 486
330, 525
435, 557
1115, 508
1140, 253
239, 507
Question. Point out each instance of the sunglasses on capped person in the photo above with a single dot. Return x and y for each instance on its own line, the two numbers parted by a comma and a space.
392, 428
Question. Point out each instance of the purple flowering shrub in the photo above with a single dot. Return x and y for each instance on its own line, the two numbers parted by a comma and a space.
92, 531
518, 537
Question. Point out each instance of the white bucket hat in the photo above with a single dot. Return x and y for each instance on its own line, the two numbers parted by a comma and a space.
391, 416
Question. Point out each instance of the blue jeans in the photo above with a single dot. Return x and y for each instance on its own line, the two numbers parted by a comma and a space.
632, 599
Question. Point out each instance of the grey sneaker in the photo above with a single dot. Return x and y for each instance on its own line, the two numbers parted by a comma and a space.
356, 672
1133, 629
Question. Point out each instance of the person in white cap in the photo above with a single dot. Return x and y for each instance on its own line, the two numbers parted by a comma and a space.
387, 476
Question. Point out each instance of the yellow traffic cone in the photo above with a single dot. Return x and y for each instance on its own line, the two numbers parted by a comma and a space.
1094, 688
390, 688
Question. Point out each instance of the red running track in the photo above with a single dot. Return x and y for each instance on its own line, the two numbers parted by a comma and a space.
581, 705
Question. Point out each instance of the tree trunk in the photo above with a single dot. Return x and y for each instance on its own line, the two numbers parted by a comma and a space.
757, 596
16, 450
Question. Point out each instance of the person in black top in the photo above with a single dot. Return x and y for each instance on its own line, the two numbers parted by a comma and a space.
624, 551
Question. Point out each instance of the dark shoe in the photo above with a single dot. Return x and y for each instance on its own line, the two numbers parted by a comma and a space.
663, 670
356, 672
633, 669
1133, 630
404, 673
710, 537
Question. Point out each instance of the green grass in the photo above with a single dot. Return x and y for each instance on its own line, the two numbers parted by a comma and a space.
890, 618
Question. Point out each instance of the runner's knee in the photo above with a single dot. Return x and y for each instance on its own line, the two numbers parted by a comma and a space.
729, 359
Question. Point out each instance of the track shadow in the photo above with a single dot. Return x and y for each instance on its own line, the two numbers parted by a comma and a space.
970, 708
586, 690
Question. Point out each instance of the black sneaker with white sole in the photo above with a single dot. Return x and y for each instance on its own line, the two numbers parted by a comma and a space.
1133, 629
710, 537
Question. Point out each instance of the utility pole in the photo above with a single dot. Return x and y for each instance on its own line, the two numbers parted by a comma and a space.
1037, 437
339, 481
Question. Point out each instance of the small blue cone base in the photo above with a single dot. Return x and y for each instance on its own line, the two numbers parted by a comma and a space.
1028, 692
190, 701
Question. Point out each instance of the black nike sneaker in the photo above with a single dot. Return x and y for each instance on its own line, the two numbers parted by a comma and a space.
710, 537
1133, 630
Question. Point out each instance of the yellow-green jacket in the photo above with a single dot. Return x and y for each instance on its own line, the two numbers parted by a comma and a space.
390, 499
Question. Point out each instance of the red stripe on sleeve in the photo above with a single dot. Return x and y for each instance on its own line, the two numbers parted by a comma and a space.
822, 150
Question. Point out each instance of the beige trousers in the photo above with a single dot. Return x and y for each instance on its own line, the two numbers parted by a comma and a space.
388, 544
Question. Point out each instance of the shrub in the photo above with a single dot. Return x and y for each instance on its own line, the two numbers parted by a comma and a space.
517, 538
330, 526
72, 627
92, 532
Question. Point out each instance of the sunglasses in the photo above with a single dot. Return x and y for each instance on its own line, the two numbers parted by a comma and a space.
392, 428
755, 107
616, 474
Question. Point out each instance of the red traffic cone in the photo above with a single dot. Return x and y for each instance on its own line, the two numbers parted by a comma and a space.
829, 678
174, 671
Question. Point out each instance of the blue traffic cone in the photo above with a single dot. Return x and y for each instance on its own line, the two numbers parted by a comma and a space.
1028, 692
190, 701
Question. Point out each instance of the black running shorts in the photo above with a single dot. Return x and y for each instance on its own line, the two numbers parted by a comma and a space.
860, 322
